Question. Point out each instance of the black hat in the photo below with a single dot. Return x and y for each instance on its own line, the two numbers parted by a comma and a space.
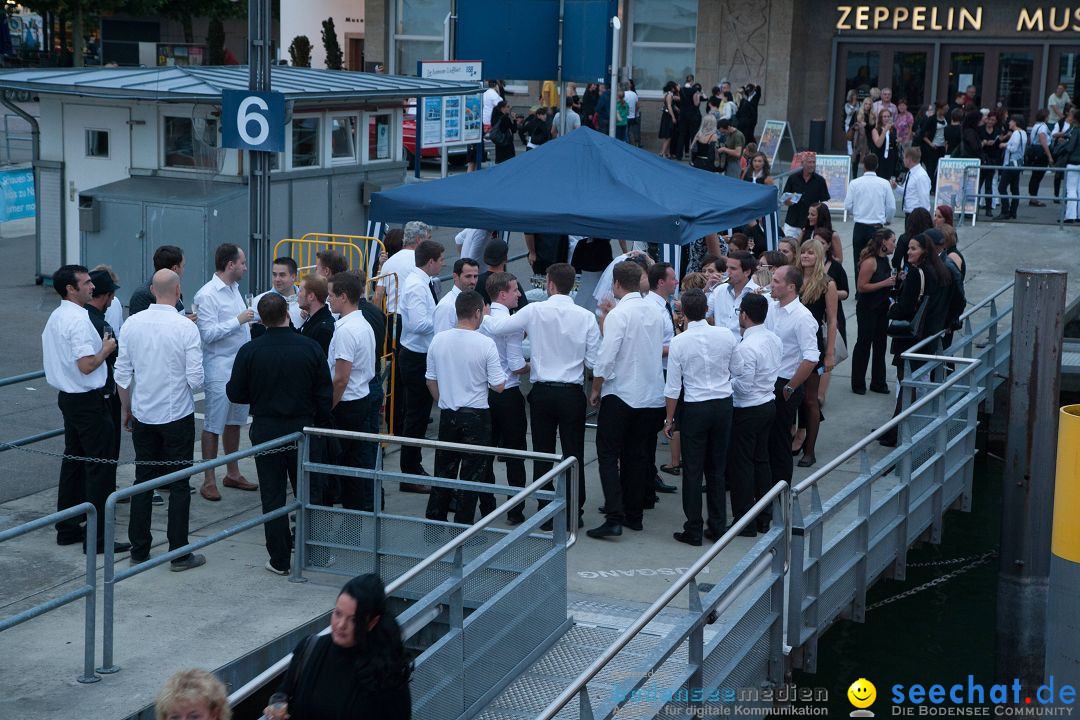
103, 282
495, 252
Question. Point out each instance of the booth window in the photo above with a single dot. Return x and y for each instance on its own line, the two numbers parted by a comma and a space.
191, 144
380, 137
305, 142
343, 139
663, 43
97, 143
418, 32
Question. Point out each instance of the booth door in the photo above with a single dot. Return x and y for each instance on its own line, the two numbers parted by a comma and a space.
97, 151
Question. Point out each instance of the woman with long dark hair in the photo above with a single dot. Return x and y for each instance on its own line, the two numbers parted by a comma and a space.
918, 221
873, 286
668, 118
358, 671
503, 127
884, 144
819, 216
588, 104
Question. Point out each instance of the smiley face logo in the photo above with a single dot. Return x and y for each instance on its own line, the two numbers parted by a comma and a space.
862, 694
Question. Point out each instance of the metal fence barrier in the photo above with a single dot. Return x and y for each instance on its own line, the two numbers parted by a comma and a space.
87, 590
965, 197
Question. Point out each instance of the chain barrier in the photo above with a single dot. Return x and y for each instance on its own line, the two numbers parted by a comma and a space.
976, 562
123, 463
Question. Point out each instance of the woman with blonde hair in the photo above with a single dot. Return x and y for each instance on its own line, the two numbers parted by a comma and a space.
703, 153
819, 295
192, 695
789, 248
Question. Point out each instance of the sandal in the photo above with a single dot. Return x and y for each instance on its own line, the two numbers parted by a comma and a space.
671, 469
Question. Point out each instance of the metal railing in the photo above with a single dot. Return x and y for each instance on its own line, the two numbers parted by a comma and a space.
113, 576
966, 197
29, 439
87, 590
698, 676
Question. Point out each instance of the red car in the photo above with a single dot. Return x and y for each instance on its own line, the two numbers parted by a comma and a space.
456, 154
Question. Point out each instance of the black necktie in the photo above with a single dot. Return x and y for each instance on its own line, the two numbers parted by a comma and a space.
431, 287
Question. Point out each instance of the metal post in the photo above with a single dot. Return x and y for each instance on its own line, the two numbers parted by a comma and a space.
259, 42
107, 665
616, 26
1062, 611
559, 79
443, 163
695, 650
303, 487
90, 616
1030, 457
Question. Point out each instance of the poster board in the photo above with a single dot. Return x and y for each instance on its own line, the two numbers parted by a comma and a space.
771, 137
950, 181
836, 169
454, 119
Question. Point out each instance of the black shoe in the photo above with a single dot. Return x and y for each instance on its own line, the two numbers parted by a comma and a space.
884, 389
660, 486
548, 526
608, 529
710, 535
763, 525
687, 538
71, 539
887, 440
748, 531
120, 547
1036, 203
650, 504
1001, 217
515, 518
195, 560
858, 391
633, 525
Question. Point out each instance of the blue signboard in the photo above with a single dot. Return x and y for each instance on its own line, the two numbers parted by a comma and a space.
585, 58
253, 120
17, 200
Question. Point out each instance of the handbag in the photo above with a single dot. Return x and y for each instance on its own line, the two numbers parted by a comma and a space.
1034, 154
911, 329
497, 135
840, 350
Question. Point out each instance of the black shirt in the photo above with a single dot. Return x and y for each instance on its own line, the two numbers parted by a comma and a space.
377, 320
97, 317
813, 191
142, 298
282, 375
320, 328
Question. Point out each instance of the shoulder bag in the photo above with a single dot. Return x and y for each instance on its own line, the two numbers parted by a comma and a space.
911, 329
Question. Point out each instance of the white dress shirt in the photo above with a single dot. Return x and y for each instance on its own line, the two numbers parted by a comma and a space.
68, 336
916, 189
397, 267
292, 304
471, 242
669, 327
353, 341
114, 314
445, 316
755, 366
700, 361
564, 338
724, 305
490, 99
222, 334
417, 310
631, 353
161, 351
464, 363
797, 330
509, 346
870, 199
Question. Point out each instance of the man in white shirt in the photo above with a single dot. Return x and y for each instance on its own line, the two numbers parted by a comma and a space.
508, 423
462, 364
74, 357
161, 355
573, 120
699, 369
724, 300
283, 280
417, 308
466, 271
633, 122
870, 201
662, 285
1056, 103
797, 329
754, 368
628, 387
564, 339
491, 98
352, 366
916, 187
223, 319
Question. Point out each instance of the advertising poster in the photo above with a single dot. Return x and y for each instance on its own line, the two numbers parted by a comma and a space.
472, 126
432, 123
17, 199
771, 135
950, 181
836, 169
452, 119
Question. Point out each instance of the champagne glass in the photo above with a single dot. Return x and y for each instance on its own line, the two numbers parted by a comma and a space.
277, 703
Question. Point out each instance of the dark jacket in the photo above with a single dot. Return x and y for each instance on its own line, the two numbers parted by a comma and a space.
320, 328
142, 298
907, 304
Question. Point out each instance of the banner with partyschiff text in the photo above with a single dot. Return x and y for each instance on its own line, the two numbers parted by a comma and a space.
951, 188
836, 169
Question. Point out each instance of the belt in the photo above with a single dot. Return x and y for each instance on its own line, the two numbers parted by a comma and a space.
98, 391
576, 386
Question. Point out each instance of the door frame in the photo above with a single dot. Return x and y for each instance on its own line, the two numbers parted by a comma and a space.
1050, 78
991, 67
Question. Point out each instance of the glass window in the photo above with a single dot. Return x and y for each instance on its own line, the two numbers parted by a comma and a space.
966, 68
862, 71
1067, 66
909, 78
422, 17
305, 142
343, 137
663, 42
409, 52
97, 143
191, 144
380, 136
1015, 71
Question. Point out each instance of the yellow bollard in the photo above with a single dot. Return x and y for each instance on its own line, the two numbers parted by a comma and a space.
1062, 610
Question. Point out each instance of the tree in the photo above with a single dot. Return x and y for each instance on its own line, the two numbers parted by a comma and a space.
183, 11
334, 58
215, 41
300, 51
76, 10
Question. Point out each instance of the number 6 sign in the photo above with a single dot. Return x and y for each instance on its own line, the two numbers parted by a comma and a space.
253, 120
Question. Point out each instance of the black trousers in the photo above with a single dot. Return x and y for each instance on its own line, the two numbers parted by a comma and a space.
558, 409
417, 406
705, 428
359, 416
986, 187
622, 456
87, 432
397, 390
1008, 189
113, 403
749, 473
169, 441
780, 460
873, 338
273, 471
860, 235
1035, 181
471, 426
508, 426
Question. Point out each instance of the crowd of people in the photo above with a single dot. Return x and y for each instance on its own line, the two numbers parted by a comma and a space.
998, 137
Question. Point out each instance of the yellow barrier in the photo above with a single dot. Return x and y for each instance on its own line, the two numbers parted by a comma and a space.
356, 249
389, 347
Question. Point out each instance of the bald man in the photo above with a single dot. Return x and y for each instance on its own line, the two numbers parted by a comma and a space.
159, 411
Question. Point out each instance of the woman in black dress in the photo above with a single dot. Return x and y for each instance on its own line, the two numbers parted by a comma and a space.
819, 296
884, 144
818, 216
873, 286
669, 114
504, 126
358, 671
588, 104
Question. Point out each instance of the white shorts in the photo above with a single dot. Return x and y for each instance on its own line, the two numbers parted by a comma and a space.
218, 411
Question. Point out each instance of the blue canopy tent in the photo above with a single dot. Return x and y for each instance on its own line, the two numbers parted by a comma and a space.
586, 184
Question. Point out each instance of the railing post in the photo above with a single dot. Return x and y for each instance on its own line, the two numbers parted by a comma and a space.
584, 704
376, 500
560, 521
988, 376
109, 592
456, 607
695, 651
90, 615
796, 583
304, 488
777, 661
941, 442
858, 605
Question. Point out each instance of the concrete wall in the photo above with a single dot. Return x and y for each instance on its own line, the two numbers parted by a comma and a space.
305, 17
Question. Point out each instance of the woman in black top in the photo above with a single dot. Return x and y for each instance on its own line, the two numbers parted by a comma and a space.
990, 153
933, 142
953, 132
669, 115
357, 672
970, 140
819, 217
873, 286
918, 221
883, 144
588, 104
500, 120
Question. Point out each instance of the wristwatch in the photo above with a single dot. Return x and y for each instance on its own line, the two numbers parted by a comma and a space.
789, 390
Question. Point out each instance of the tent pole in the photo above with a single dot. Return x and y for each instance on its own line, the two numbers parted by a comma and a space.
616, 26
446, 56
560, 80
